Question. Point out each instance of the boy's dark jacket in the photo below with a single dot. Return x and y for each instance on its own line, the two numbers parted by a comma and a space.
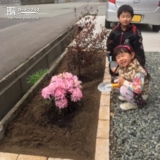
132, 36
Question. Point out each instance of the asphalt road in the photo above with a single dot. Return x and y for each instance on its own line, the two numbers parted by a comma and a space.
22, 35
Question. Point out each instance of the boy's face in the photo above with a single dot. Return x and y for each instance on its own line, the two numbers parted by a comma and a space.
125, 18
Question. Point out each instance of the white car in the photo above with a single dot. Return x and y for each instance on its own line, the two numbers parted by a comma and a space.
145, 12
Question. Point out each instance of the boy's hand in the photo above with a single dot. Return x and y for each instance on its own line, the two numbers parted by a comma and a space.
108, 55
120, 81
108, 52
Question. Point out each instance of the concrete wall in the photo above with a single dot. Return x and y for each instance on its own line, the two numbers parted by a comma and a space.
9, 1
25, 2
14, 86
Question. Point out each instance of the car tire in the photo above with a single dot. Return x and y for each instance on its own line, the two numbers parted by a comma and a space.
155, 28
107, 24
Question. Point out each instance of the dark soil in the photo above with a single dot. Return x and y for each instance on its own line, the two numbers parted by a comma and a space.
38, 130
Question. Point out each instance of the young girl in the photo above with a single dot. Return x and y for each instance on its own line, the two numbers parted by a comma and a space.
133, 79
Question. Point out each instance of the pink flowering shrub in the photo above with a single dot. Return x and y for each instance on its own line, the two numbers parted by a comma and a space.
62, 89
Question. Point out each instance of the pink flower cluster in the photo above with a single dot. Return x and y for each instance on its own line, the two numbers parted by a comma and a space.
62, 85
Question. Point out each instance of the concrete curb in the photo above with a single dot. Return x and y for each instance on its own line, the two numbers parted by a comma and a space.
102, 140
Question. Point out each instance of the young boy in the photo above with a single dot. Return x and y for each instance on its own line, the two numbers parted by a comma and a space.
126, 33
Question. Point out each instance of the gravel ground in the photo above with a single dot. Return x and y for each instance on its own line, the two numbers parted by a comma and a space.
135, 134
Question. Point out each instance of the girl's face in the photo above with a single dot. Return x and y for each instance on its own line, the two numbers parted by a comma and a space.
125, 18
123, 59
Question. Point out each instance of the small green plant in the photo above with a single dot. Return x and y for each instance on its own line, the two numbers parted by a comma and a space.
32, 79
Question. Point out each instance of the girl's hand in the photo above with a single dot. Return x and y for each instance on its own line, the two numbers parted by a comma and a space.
120, 81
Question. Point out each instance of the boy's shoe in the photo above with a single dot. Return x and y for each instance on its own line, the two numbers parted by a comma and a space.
127, 106
121, 98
